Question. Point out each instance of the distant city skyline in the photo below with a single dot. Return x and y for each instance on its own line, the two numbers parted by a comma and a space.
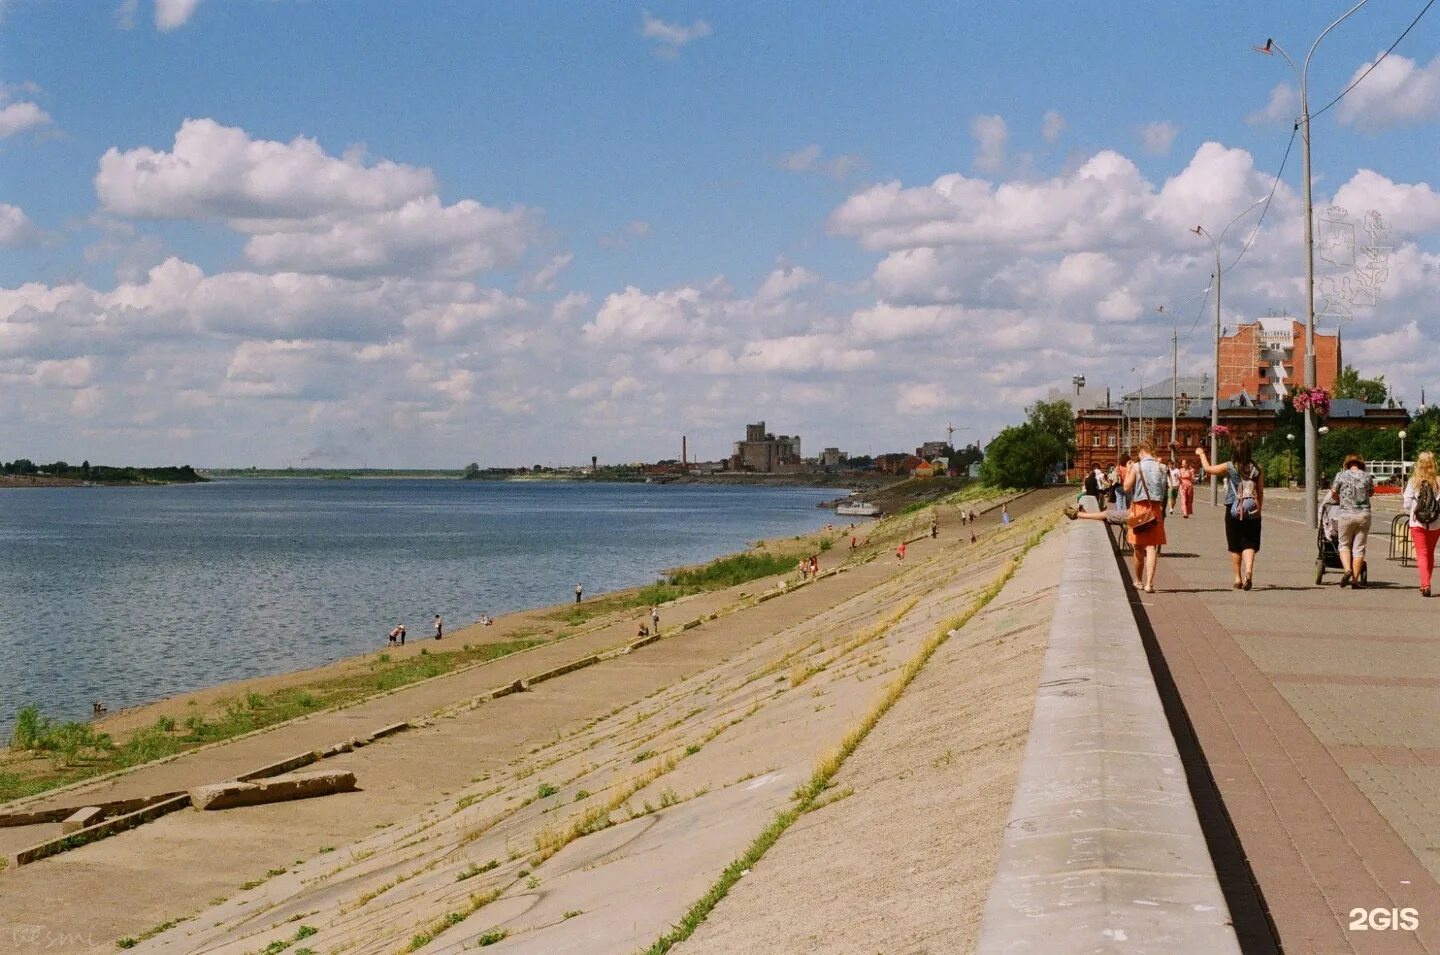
270, 232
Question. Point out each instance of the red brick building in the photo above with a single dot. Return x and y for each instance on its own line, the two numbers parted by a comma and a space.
1102, 434
1269, 364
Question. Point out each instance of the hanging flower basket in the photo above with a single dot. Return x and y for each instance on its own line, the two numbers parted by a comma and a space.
1219, 431
1315, 399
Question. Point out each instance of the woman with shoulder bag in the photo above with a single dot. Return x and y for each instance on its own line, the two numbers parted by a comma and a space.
1422, 503
1146, 487
1244, 497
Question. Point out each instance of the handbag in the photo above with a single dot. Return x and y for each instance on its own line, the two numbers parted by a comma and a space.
1140, 520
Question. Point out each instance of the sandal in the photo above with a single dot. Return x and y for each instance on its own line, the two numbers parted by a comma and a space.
1247, 583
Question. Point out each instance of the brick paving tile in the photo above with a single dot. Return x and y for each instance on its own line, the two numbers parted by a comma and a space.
1317, 846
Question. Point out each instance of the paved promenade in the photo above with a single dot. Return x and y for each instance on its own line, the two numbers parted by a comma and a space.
1318, 713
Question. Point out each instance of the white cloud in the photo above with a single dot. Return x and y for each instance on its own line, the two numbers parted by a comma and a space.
545, 277
170, 14
1156, 138
634, 315
992, 138
810, 159
887, 322
1283, 106
1397, 92
1052, 127
422, 237
215, 171
1103, 202
1105, 195
804, 353
670, 37
782, 282
918, 399
1407, 208
308, 211
19, 117
634, 231
16, 229
65, 373
454, 322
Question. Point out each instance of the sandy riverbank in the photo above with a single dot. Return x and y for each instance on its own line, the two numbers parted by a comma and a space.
338, 679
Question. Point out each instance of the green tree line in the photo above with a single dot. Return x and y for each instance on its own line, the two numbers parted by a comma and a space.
104, 473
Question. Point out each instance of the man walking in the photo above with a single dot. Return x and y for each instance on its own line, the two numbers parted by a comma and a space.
578, 591
439, 627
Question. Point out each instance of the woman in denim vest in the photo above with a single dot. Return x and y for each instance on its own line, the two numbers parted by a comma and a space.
1145, 487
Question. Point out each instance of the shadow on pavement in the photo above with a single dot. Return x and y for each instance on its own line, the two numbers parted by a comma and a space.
1248, 911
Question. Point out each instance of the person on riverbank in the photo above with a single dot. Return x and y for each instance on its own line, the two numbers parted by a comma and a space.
1005, 514
900, 553
1422, 503
1145, 488
934, 527
1244, 502
439, 627
579, 592
655, 619
1185, 474
394, 635
1351, 490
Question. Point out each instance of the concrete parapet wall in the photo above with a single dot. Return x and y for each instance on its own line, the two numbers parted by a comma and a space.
1103, 849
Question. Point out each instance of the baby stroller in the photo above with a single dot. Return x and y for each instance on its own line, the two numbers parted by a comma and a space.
1327, 544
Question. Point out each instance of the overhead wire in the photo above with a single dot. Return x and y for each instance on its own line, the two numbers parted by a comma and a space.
1356, 82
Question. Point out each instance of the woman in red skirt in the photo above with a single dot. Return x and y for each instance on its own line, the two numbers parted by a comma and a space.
1146, 487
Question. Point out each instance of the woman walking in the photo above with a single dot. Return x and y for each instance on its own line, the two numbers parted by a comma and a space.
1244, 498
1422, 503
1145, 488
1186, 474
1352, 489
1172, 479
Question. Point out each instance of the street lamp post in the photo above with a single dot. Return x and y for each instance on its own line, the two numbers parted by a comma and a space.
1302, 74
1215, 389
1402, 457
1290, 438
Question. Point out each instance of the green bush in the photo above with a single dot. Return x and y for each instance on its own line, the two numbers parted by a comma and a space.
30, 728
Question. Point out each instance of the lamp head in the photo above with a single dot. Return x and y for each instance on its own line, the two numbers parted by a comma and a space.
1402, 435
1267, 49
1323, 429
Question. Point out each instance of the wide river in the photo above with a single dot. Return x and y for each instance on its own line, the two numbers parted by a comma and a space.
130, 594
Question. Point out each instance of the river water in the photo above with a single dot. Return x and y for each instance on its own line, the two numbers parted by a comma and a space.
131, 594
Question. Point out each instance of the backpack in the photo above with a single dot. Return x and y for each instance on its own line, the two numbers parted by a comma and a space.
1247, 500
1427, 505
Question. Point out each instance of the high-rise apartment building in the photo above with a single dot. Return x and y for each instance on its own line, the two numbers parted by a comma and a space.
1269, 364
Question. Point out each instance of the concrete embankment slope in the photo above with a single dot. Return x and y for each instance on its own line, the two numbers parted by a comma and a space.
900, 857
601, 838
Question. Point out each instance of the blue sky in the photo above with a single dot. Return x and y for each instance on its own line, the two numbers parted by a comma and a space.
520, 232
